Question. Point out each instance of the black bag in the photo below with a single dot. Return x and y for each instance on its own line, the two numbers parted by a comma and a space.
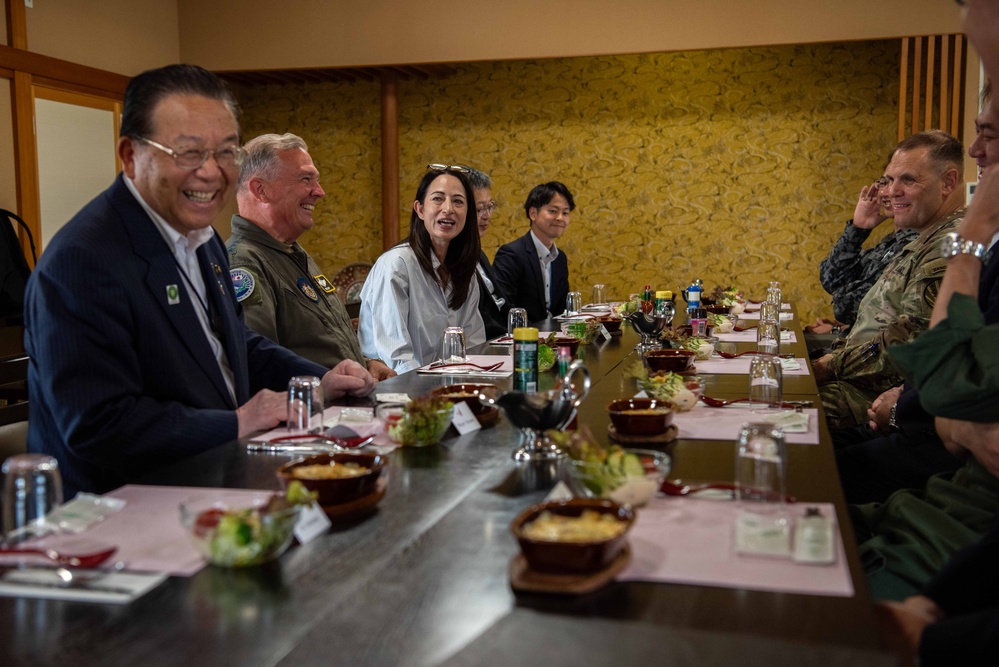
14, 270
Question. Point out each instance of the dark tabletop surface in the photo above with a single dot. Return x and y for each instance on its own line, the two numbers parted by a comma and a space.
423, 580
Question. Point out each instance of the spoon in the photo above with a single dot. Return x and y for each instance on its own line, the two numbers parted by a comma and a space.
85, 561
721, 403
677, 487
737, 328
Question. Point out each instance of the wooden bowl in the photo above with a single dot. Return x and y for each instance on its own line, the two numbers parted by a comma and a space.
674, 361
640, 416
611, 323
336, 491
572, 557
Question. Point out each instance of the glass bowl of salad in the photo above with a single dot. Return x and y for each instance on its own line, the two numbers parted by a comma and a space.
234, 531
419, 423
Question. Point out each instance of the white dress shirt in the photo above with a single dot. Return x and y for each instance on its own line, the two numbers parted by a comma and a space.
546, 256
404, 312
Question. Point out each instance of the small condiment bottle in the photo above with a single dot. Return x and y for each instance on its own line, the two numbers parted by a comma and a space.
694, 295
647, 304
564, 359
664, 304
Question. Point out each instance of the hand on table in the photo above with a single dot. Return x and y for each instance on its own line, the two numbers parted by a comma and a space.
868, 214
823, 326
263, 412
880, 410
347, 377
379, 370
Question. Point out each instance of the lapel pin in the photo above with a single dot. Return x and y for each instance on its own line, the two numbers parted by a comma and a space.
173, 295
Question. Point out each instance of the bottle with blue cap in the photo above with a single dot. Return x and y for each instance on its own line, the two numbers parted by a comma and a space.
694, 294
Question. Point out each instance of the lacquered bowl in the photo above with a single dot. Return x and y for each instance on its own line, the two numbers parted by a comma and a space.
337, 490
674, 361
464, 393
572, 557
611, 323
718, 310
640, 416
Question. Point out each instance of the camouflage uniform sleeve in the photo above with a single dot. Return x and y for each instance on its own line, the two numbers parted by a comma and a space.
867, 365
843, 265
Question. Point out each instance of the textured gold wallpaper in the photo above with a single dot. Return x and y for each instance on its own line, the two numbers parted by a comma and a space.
736, 166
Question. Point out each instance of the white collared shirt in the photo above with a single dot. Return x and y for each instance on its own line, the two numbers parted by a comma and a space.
545, 257
185, 250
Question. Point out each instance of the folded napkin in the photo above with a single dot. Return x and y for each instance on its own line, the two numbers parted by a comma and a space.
750, 336
756, 306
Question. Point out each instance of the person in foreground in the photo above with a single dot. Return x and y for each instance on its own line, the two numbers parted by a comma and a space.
427, 283
139, 356
531, 271
283, 293
493, 306
926, 195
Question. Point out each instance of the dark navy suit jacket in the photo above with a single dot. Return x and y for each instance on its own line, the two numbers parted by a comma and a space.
121, 381
518, 273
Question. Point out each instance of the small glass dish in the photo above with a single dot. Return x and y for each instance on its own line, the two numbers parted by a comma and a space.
232, 531
416, 428
603, 480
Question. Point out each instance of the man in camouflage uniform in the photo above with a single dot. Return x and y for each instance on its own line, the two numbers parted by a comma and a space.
925, 177
283, 293
849, 271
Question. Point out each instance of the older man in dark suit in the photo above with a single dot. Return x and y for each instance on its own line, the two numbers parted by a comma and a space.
139, 356
531, 271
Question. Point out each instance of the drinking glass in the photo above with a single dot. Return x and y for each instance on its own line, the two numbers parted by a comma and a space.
573, 303
766, 384
305, 405
762, 523
768, 337
516, 319
774, 294
770, 310
452, 347
599, 298
32, 487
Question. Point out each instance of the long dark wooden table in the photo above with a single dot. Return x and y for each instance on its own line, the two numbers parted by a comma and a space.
423, 581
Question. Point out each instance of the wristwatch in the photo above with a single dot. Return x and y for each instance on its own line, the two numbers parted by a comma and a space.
892, 424
954, 244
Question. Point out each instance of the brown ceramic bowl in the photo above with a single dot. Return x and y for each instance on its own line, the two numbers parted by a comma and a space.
674, 361
464, 393
640, 416
687, 331
610, 322
572, 557
336, 491
566, 341
718, 310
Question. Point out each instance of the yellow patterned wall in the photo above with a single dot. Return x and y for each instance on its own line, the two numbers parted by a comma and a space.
736, 166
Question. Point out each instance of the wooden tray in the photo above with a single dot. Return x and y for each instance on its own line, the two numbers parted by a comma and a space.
359, 507
523, 578
664, 438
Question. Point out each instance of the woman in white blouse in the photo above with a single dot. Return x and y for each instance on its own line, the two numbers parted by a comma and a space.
427, 283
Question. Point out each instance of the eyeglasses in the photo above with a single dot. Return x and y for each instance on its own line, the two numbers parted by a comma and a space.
884, 182
486, 208
193, 158
447, 167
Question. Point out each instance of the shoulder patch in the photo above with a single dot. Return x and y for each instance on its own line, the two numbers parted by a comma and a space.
243, 283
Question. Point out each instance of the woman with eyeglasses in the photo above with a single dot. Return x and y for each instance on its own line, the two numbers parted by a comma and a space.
426, 283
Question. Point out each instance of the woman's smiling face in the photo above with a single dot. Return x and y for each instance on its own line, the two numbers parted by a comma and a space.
443, 211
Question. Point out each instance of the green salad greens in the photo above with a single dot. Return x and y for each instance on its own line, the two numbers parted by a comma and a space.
423, 422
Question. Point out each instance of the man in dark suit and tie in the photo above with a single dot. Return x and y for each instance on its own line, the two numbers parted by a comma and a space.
531, 271
139, 356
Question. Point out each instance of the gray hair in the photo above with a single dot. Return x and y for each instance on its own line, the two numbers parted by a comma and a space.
261, 159
478, 179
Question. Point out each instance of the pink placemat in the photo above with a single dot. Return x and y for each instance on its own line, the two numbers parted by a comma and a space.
704, 423
756, 306
750, 336
333, 416
148, 532
755, 315
691, 541
484, 360
740, 366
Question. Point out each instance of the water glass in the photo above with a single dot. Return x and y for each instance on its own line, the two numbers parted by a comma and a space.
770, 310
599, 296
516, 319
766, 384
760, 466
768, 337
573, 303
305, 405
774, 294
452, 347
32, 487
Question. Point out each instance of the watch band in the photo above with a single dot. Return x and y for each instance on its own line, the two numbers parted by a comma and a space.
892, 423
954, 244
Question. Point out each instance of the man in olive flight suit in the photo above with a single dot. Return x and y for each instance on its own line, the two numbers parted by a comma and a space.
284, 295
